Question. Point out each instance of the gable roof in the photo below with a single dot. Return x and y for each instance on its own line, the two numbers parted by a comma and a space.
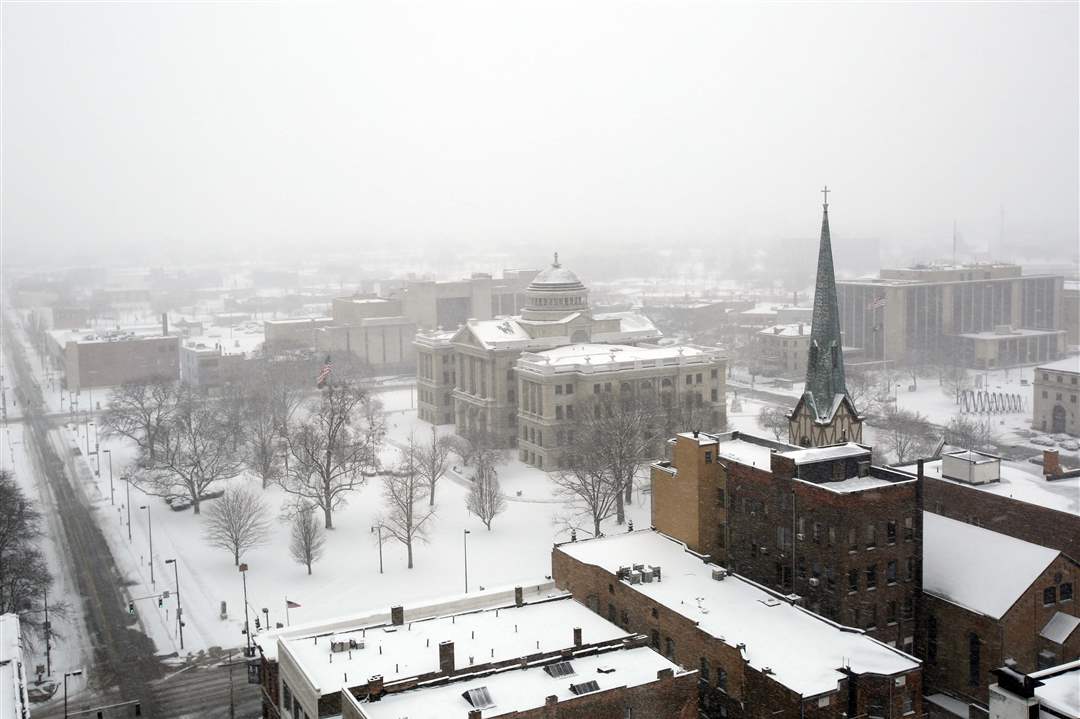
976, 568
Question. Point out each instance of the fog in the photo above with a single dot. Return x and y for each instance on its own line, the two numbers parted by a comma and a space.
184, 132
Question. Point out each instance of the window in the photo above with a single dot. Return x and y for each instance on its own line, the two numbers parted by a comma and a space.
890, 612
890, 572
697, 379
852, 539
558, 389
656, 614
931, 639
853, 580
569, 389
871, 535
1049, 596
689, 379
1065, 592
832, 536
721, 680
909, 528
596, 389
558, 411
871, 617
714, 396
670, 654
624, 618
611, 613
569, 411
890, 532
655, 636
909, 569
907, 609
610, 588
871, 577
704, 673
817, 532
974, 659
708, 457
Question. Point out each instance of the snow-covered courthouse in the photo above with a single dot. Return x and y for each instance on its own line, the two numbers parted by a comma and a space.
522, 379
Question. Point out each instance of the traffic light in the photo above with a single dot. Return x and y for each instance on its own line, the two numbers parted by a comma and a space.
257, 626
131, 607
160, 602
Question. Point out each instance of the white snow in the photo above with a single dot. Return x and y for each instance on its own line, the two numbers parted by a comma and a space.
823, 454
805, 652
13, 672
852, 484
596, 354
413, 648
514, 690
949, 704
1069, 364
976, 568
1019, 483
1060, 626
1060, 688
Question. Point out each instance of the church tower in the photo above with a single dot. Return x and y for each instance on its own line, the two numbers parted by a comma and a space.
825, 413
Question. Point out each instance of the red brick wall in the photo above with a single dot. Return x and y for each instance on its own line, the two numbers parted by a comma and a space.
665, 698
1030, 522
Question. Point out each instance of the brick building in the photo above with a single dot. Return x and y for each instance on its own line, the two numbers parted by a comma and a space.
822, 523
90, 359
758, 654
1007, 497
992, 600
529, 652
1055, 399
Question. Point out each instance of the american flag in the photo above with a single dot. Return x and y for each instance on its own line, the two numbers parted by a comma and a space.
877, 303
324, 374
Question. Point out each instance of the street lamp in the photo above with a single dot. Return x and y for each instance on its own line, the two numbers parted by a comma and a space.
247, 626
127, 491
465, 543
150, 532
66, 675
378, 528
179, 607
111, 497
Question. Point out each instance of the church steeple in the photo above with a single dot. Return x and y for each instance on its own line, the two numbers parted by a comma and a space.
825, 414
825, 364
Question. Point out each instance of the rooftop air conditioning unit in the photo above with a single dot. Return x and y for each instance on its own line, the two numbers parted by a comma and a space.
635, 577
718, 574
647, 577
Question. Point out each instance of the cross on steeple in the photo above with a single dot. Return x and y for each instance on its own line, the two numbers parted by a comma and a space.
825, 192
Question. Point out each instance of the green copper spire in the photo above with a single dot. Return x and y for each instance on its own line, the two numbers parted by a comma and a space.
825, 363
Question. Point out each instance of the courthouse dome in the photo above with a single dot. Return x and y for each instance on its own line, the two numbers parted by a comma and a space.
555, 292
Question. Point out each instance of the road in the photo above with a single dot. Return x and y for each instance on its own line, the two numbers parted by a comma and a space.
125, 663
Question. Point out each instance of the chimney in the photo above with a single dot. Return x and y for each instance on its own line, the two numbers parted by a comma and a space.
474, 714
665, 673
375, 687
1051, 463
397, 615
551, 707
446, 657
577, 636
164, 324
519, 597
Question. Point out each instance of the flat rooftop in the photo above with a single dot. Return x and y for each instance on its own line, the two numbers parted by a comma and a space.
481, 631
1060, 688
1018, 483
515, 690
601, 354
1069, 364
803, 651
809, 455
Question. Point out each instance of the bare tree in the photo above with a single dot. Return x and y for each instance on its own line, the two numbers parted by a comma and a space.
474, 445
373, 426
908, 434
914, 363
193, 451
860, 389
775, 419
329, 450
954, 379
139, 411
286, 383
969, 432
586, 487
406, 518
307, 537
432, 460
237, 521
262, 437
485, 498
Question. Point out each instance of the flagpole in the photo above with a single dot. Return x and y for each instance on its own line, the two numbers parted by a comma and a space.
286, 610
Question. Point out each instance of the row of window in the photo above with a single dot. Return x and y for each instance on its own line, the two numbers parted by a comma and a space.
1060, 593
1058, 397
1060, 379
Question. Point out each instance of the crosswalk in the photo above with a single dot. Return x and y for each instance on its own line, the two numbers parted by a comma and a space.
204, 692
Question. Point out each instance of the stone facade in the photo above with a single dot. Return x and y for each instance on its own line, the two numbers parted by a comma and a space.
1056, 397
783, 348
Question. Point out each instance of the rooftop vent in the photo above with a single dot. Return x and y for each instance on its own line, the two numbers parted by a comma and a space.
479, 698
345, 646
585, 687
560, 669
719, 573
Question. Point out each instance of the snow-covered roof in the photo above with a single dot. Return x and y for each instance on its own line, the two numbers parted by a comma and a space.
1020, 484
512, 332
13, 698
599, 354
1060, 690
514, 690
1060, 626
1069, 364
745, 452
976, 568
810, 455
853, 484
1018, 332
500, 631
804, 652
798, 329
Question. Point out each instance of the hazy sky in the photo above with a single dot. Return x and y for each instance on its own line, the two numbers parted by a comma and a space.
151, 131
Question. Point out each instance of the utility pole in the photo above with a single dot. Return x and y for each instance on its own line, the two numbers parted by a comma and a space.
127, 489
150, 532
232, 703
247, 626
378, 528
48, 633
179, 607
465, 541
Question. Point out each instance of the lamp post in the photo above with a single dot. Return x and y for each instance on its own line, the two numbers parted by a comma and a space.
378, 528
127, 491
247, 626
179, 607
66, 675
150, 532
266, 613
111, 490
465, 543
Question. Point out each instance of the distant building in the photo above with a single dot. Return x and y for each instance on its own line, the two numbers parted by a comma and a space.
822, 523
783, 348
987, 315
1070, 312
992, 600
1056, 397
14, 673
91, 359
434, 304
529, 653
1052, 693
293, 333
758, 653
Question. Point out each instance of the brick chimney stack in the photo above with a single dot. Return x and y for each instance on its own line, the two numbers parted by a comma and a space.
397, 616
446, 657
519, 597
1051, 463
375, 687
551, 707
577, 636
474, 714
